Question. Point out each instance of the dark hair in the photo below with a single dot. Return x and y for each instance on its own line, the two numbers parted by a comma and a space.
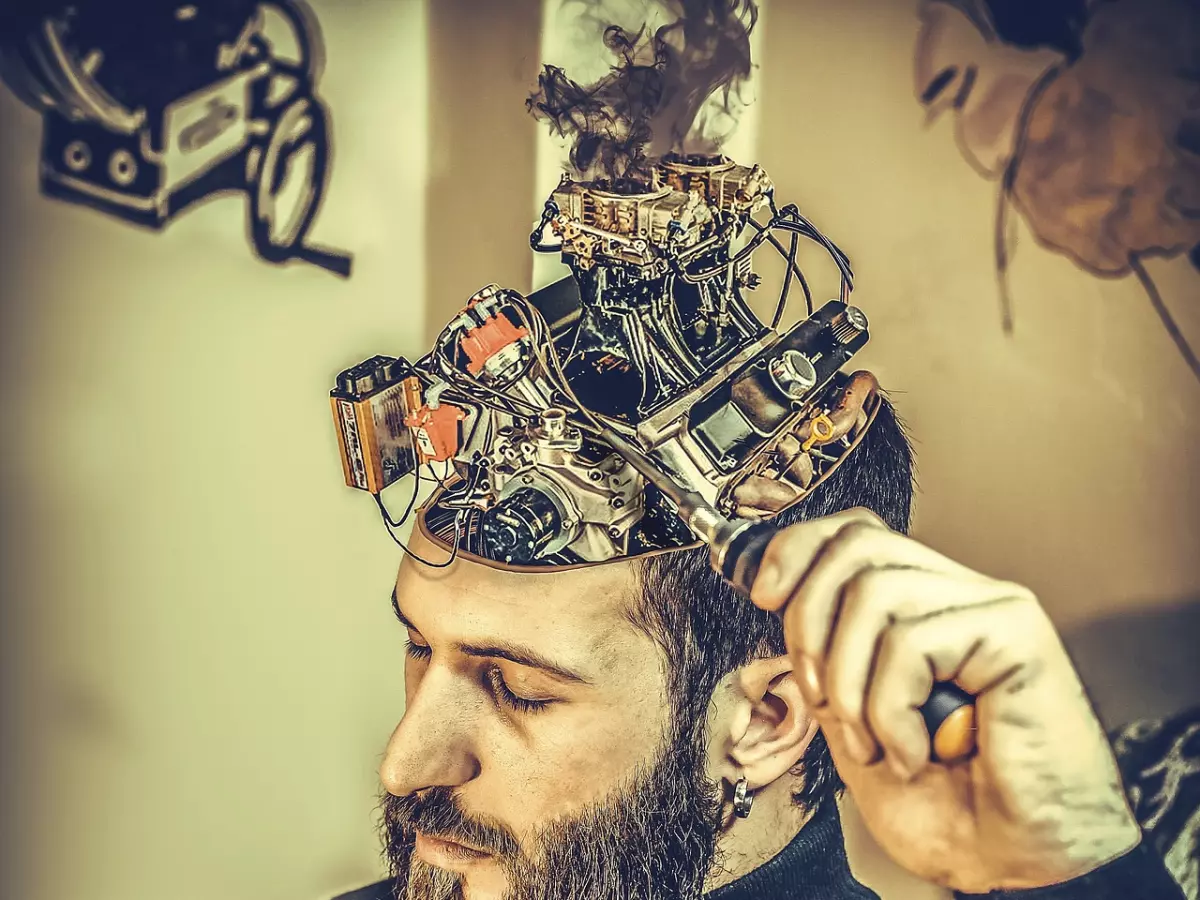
1030, 24
708, 631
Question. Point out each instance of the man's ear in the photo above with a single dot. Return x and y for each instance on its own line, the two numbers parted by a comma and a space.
771, 726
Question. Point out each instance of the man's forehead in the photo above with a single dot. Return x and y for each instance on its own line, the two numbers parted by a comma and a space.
587, 606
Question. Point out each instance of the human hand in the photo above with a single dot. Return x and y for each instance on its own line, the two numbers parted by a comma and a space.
872, 619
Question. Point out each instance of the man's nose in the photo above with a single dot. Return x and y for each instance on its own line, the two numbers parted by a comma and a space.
434, 745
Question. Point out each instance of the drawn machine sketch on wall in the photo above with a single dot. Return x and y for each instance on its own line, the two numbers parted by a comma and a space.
1087, 114
151, 107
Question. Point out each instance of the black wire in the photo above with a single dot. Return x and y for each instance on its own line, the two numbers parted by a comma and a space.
808, 229
843, 262
789, 219
787, 282
790, 256
549, 211
412, 498
800, 225
399, 543
454, 497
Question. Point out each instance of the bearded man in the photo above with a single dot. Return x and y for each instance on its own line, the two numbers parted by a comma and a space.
638, 730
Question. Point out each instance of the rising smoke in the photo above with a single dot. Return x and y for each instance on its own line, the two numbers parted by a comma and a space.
668, 91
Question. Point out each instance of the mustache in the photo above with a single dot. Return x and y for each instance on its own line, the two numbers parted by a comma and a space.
437, 814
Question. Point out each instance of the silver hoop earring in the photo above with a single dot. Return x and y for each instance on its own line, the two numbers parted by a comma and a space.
743, 800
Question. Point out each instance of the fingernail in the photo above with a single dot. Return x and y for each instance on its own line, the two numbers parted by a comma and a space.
810, 677
766, 580
857, 745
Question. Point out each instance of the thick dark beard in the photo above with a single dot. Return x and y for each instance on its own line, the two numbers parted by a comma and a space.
653, 839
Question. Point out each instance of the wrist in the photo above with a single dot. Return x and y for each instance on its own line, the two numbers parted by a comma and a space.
1106, 837
1138, 873
1070, 856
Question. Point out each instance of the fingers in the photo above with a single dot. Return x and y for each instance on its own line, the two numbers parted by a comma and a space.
872, 602
813, 562
872, 619
793, 550
971, 645
856, 549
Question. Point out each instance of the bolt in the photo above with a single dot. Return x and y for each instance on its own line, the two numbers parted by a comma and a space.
848, 325
554, 422
794, 373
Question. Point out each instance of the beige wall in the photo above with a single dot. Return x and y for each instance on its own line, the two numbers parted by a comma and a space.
203, 643
1064, 456
211, 664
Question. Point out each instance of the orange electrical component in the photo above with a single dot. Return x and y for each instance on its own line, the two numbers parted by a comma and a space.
436, 430
412, 393
484, 341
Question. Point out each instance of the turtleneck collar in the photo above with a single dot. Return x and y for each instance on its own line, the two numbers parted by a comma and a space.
812, 867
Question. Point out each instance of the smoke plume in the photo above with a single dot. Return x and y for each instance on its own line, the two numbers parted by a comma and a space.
669, 91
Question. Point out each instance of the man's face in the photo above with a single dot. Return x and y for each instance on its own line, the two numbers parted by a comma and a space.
537, 740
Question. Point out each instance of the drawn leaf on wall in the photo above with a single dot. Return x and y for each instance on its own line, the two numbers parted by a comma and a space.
1087, 114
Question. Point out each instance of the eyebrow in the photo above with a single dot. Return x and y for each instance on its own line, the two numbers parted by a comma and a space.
522, 656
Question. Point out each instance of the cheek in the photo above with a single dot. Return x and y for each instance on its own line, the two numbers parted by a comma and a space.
575, 757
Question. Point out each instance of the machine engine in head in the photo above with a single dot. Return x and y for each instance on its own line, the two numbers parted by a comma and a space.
650, 338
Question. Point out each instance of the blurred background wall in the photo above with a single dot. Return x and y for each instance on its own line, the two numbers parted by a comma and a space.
198, 651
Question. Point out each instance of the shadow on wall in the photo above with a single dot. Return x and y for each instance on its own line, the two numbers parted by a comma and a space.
1087, 113
1140, 665
149, 108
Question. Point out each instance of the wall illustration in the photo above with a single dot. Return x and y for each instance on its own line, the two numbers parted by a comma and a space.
1087, 114
149, 108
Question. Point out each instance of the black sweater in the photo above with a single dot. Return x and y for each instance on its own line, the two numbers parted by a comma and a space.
814, 867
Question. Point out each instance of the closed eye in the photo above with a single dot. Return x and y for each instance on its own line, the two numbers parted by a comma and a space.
493, 678
417, 651
502, 692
